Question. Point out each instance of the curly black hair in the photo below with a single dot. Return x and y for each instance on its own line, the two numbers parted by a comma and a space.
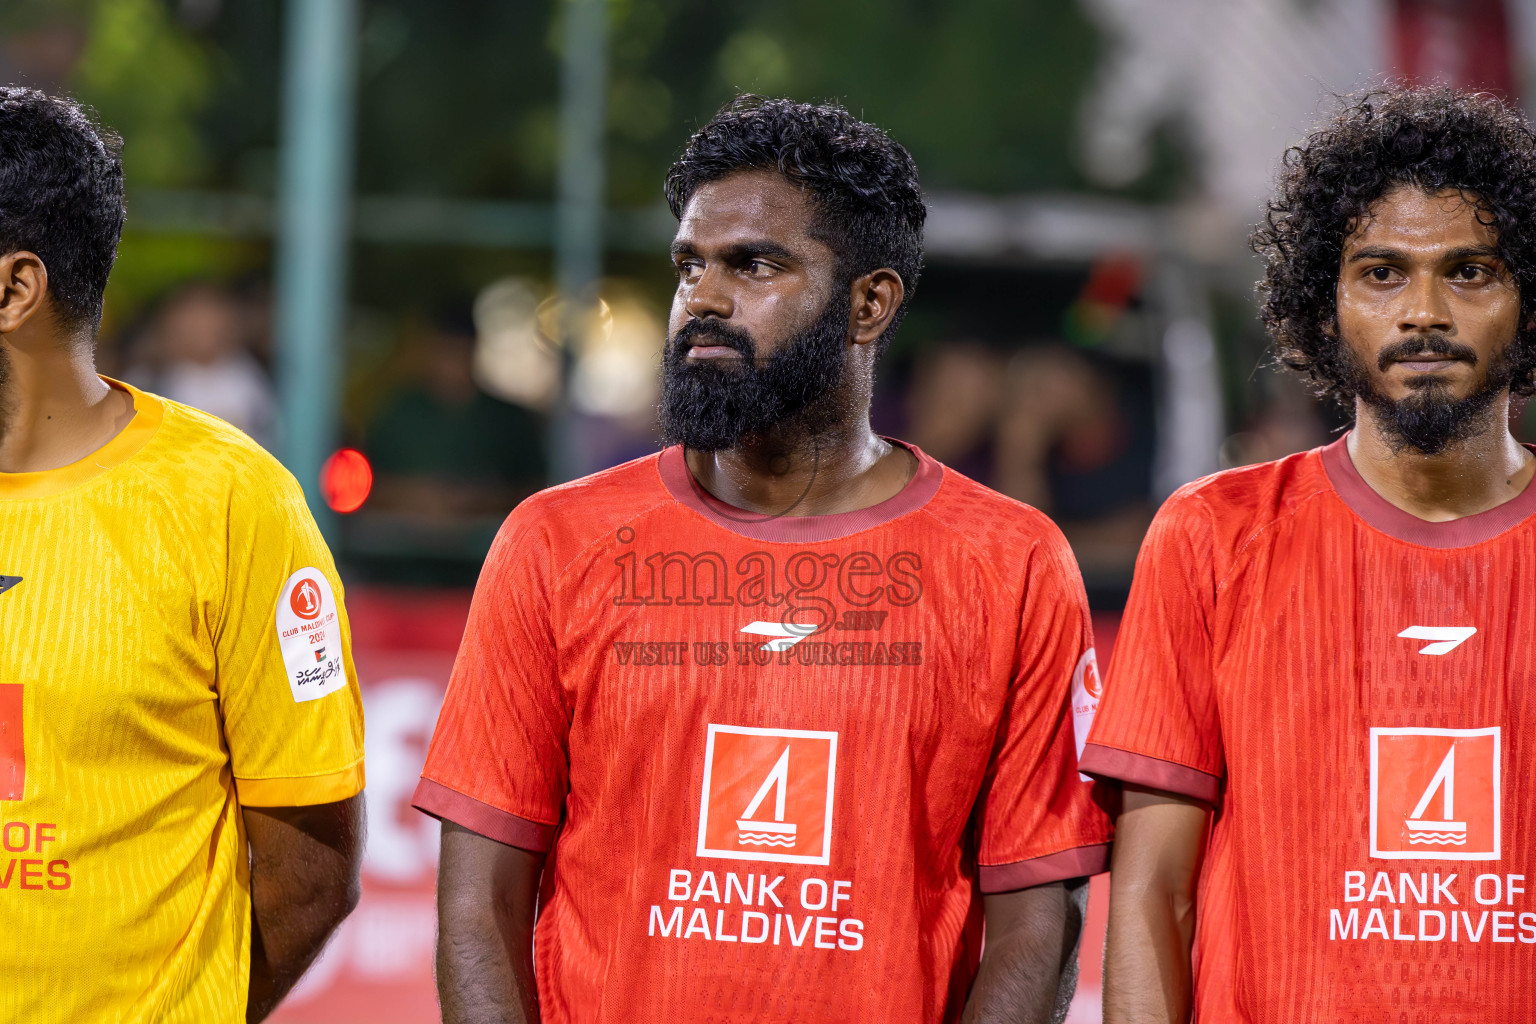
61, 197
1429, 138
862, 183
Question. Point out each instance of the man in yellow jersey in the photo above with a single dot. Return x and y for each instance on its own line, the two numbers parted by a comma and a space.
181, 739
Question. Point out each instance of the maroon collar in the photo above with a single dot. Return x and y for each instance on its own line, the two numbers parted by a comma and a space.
799, 529
1393, 521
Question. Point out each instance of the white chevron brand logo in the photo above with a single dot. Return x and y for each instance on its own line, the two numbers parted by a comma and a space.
785, 634
1447, 638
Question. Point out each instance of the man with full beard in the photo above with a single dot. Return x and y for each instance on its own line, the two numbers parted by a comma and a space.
1333, 652
770, 724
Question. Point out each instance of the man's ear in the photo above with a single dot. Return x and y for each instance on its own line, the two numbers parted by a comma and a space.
875, 297
23, 288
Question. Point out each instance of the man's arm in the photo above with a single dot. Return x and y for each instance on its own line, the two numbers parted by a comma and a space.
306, 864
1159, 843
1029, 961
486, 895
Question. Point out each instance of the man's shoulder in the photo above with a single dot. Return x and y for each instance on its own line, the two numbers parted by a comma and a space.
1234, 505
1012, 543
989, 519
209, 458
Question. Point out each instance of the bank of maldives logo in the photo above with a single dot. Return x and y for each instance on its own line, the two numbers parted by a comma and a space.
1435, 794
768, 794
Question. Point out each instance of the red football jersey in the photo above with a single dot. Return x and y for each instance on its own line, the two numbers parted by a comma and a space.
774, 760
1353, 690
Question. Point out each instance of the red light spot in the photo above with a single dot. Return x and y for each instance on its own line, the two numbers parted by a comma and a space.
345, 480
1113, 281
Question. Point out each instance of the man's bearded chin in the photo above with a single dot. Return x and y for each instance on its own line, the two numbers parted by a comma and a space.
711, 405
1431, 419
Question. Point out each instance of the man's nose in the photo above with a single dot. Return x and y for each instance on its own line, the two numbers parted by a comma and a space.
1426, 305
710, 295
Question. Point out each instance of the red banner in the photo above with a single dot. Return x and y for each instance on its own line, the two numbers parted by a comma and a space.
378, 968
1464, 43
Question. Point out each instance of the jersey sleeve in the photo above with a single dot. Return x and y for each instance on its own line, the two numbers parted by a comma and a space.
293, 716
498, 764
1039, 821
1158, 724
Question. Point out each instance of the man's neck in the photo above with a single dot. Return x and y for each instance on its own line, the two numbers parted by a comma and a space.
1471, 476
54, 409
843, 469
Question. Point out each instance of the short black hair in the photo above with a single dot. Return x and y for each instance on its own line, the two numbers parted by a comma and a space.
1427, 138
862, 183
61, 197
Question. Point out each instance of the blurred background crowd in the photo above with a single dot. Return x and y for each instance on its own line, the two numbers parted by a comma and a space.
1084, 336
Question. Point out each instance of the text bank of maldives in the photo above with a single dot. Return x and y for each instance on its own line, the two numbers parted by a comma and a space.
1354, 691
776, 761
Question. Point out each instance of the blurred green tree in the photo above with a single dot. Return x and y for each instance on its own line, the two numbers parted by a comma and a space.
460, 99
984, 92
150, 79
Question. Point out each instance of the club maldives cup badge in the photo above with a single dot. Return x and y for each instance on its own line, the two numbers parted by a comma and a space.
309, 635
1087, 688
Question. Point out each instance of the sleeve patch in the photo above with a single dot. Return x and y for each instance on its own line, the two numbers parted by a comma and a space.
1087, 688
309, 636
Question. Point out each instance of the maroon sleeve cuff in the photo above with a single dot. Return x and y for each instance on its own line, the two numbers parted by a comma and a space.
1079, 862
1152, 772
492, 822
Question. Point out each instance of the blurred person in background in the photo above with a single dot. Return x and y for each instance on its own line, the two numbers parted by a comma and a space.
786, 706
1286, 420
1319, 706
953, 404
1066, 437
1076, 439
181, 736
197, 349
1064, 431
442, 447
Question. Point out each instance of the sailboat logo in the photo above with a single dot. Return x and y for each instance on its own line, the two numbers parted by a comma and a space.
768, 794
777, 832
1444, 832
1435, 794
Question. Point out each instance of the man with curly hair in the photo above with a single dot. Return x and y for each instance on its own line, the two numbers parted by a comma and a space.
769, 725
1320, 705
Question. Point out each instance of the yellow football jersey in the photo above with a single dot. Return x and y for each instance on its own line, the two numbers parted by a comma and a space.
172, 646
